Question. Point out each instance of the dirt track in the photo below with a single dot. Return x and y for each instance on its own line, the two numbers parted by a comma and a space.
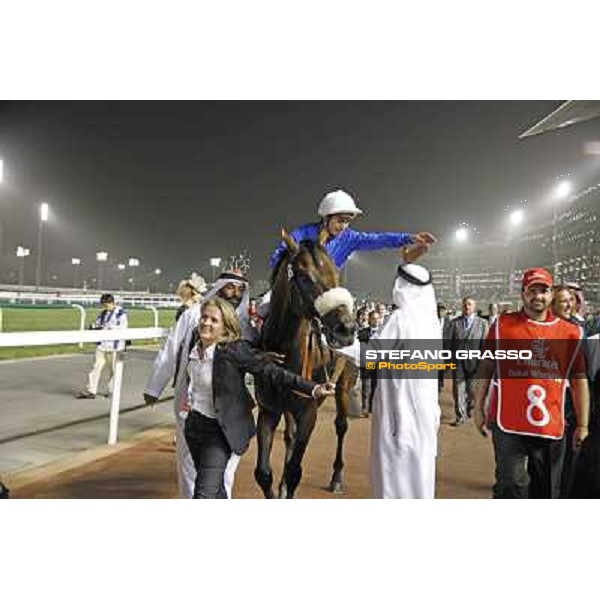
146, 470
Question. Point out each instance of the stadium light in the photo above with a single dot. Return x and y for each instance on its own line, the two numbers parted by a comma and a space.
561, 192
133, 262
101, 257
462, 234
514, 220
563, 189
121, 267
157, 271
22, 253
44, 209
517, 217
215, 263
76, 262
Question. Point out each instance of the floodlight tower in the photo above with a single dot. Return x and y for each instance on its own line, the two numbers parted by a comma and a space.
43, 218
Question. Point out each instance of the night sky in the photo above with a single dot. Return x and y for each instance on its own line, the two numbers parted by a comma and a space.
175, 183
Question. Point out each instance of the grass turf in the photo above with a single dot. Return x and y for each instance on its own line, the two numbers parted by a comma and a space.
37, 318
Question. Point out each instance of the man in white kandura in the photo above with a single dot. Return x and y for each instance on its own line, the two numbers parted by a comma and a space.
406, 413
171, 363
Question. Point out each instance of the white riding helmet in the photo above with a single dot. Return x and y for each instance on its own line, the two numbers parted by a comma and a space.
338, 202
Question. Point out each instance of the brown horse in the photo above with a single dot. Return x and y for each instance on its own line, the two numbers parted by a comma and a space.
306, 303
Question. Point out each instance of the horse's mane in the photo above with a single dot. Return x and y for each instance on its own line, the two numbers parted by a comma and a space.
277, 324
284, 260
280, 302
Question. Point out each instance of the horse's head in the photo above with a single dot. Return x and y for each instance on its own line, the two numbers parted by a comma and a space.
315, 291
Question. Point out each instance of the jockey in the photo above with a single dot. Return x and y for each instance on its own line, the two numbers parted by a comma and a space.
337, 210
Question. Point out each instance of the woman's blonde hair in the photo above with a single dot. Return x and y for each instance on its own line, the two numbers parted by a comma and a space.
186, 285
231, 323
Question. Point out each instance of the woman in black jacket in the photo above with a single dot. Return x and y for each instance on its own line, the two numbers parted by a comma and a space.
220, 422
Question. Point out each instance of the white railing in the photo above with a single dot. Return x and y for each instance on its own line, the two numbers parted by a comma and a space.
82, 315
25, 295
81, 310
53, 338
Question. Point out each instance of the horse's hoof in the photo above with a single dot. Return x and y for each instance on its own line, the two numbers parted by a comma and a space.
336, 487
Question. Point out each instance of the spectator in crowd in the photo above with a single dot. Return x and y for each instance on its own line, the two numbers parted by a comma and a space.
563, 302
596, 323
255, 319
220, 423
579, 311
494, 311
586, 482
465, 332
563, 306
111, 317
362, 317
383, 311
189, 291
171, 364
445, 320
526, 412
368, 378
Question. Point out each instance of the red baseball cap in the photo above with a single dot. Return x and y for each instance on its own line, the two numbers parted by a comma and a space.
539, 276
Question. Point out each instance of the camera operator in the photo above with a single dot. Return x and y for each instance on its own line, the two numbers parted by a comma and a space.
111, 317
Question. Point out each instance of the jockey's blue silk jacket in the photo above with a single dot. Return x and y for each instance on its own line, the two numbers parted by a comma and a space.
343, 245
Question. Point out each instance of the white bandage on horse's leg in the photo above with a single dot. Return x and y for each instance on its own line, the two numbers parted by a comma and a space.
332, 299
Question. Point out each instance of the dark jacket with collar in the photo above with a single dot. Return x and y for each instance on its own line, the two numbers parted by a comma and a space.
460, 338
364, 334
233, 402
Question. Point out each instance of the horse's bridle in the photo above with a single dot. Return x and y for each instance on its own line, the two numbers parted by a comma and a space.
309, 290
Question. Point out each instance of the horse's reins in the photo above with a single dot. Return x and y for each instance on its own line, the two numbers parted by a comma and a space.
315, 330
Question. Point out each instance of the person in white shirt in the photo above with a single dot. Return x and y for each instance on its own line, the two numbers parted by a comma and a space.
406, 412
220, 423
189, 290
170, 365
494, 310
111, 317
444, 319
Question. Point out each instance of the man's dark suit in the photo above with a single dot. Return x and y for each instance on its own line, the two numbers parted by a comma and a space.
368, 379
461, 337
445, 325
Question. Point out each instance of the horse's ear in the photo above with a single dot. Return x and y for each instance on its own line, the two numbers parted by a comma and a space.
323, 236
290, 242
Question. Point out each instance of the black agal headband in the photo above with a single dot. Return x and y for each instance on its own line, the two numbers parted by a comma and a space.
411, 278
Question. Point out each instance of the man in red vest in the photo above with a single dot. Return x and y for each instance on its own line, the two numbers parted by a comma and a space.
526, 398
